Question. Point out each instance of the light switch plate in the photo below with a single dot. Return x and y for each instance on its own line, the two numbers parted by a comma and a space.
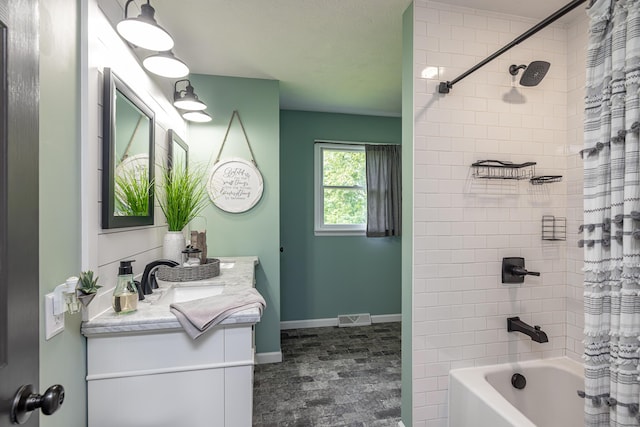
53, 324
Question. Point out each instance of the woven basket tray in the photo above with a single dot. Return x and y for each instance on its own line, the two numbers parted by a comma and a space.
188, 274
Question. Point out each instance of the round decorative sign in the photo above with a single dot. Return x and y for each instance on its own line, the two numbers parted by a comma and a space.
235, 185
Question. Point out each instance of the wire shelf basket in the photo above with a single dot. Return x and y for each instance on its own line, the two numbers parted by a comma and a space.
499, 169
554, 228
545, 179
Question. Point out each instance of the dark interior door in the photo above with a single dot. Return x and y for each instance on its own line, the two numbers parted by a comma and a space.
19, 296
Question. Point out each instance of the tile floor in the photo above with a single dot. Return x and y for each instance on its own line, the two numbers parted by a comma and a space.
332, 377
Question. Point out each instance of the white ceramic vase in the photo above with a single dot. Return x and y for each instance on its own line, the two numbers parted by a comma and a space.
173, 245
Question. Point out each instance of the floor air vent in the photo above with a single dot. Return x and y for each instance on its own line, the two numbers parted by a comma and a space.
346, 320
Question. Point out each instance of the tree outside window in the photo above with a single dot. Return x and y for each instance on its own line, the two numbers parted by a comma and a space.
341, 194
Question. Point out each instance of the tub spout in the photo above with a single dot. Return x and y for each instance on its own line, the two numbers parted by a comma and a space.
514, 324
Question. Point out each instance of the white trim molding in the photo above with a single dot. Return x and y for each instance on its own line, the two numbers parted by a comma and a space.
320, 228
264, 358
140, 373
333, 321
386, 318
311, 323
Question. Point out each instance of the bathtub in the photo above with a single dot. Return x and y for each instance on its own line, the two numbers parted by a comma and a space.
485, 397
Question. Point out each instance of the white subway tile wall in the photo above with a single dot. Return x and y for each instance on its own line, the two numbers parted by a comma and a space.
464, 226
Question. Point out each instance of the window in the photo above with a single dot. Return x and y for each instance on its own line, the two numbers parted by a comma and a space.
340, 189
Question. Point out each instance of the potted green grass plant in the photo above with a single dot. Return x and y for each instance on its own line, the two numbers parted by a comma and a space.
182, 197
87, 287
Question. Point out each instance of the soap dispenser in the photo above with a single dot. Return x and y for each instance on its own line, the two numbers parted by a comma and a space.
125, 296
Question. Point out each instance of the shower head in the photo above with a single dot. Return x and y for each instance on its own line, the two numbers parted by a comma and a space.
533, 73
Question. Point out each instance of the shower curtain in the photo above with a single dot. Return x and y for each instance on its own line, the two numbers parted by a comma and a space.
611, 226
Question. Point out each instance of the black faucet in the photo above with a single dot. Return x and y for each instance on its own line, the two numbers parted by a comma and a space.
514, 324
149, 282
513, 270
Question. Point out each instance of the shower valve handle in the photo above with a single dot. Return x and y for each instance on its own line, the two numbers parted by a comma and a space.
521, 271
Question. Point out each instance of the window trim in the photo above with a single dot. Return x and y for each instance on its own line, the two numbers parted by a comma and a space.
320, 228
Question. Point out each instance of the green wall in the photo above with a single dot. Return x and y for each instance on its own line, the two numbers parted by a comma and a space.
325, 276
62, 359
257, 231
407, 215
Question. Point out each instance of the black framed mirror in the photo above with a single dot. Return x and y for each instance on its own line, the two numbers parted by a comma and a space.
178, 151
127, 156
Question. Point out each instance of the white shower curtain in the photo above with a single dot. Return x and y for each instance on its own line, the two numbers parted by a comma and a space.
612, 214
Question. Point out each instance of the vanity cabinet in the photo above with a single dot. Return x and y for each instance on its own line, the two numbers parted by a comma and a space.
144, 370
166, 379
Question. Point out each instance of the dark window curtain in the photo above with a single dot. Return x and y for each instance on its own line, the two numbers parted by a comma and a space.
384, 190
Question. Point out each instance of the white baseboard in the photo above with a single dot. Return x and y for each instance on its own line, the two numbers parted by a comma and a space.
311, 323
333, 321
263, 358
386, 318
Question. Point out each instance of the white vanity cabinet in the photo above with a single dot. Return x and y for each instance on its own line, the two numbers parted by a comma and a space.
144, 370
166, 379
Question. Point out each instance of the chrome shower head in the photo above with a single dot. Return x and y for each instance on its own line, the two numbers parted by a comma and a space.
533, 73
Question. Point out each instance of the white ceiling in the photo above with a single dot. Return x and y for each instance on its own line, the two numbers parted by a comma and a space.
329, 55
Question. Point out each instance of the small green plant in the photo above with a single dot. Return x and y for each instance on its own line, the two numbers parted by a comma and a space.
132, 192
182, 196
87, 284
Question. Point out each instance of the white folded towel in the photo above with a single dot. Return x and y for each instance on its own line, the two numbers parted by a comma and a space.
196, 316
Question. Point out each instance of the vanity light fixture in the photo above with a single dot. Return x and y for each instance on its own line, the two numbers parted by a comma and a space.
143, 31
186, 99
165, 64
196, 116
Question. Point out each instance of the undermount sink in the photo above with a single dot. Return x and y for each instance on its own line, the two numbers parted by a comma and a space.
176, 294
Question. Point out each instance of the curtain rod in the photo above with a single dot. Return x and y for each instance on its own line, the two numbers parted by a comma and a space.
327, 141
445, 87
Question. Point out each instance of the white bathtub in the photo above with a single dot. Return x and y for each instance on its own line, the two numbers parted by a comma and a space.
484, 396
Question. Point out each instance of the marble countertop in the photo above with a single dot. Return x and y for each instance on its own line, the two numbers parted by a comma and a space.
154, 315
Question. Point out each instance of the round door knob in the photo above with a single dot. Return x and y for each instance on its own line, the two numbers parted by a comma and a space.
27, 400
